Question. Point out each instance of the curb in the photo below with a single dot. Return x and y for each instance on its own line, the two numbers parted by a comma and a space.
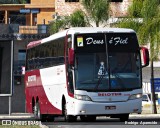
16, 116
43, 126
145, 115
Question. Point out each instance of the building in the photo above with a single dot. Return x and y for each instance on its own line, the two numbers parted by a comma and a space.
67, 7
23, 23
27, 22
30, 14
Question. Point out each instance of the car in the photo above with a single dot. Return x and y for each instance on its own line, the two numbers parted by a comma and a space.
146, 99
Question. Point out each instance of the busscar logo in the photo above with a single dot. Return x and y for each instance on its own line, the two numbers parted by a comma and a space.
80, 41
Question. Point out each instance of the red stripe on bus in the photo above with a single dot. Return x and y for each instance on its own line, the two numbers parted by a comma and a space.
35, 90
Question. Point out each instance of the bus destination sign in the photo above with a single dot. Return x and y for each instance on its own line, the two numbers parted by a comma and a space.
114, 41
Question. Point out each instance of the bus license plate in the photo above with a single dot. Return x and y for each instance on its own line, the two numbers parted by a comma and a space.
110, 107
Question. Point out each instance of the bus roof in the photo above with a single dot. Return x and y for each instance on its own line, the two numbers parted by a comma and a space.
33, 44
79, 30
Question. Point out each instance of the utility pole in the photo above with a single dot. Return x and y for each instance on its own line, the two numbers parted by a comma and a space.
154, 108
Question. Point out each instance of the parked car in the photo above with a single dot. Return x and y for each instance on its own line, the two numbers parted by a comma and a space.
146, 99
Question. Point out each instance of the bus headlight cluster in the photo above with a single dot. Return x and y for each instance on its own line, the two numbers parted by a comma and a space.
82, 97
135, 96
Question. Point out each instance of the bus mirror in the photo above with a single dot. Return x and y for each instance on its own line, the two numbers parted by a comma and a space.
144, 56
71, 56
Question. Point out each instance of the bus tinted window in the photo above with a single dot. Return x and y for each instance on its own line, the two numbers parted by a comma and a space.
46, 55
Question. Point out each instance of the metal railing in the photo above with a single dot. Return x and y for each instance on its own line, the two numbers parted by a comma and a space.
16, 28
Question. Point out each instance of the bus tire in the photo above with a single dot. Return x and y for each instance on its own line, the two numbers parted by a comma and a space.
36, 112
50, 118
124, 117
68, 118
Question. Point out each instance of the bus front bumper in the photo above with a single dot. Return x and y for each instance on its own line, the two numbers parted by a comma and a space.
108, 108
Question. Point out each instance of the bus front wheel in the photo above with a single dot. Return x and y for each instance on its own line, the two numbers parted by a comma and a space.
68, 118
124, 117
88, 118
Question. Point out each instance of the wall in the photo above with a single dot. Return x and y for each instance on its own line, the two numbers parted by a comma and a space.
18, 98
118, 9
17, 101
45, 14
5, 68
37, 2
66, 8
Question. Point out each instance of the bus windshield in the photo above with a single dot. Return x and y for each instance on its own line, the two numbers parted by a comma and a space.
123, 72
98, 69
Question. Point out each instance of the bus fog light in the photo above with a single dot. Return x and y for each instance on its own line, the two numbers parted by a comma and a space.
82, 111
135, 96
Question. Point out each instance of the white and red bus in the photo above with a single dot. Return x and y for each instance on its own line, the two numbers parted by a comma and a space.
86, 72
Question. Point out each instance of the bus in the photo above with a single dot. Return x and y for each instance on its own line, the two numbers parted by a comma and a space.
85, 72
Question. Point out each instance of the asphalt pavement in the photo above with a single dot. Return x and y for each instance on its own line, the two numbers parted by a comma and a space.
28, 116
28, 119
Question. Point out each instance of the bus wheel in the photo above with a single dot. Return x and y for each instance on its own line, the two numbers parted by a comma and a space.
36, 111
37, 114
124, 117
50, 118
88, 118
68, 118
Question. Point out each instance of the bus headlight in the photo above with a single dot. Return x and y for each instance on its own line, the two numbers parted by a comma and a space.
82, 97
135, 96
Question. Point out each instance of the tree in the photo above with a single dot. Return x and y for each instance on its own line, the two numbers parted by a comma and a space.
96, 11
144, 18
76, 19
21, 1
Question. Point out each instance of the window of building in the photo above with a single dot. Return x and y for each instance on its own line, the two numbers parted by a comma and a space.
116, 0
28, 1
71, 0
2, 16
17, 18
21, 54
20, 62
21, 57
